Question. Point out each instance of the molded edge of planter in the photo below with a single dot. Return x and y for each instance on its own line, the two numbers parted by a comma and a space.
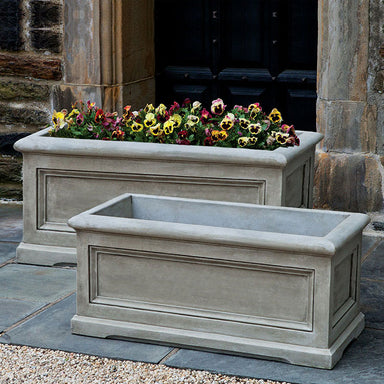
294, 354
40, 143
322, 246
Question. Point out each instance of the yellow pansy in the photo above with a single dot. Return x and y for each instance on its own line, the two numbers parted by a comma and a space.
58, 119
177, 119
150, 120
168, 127
156, 130
137, 127
243, 141
254, 129
275, 116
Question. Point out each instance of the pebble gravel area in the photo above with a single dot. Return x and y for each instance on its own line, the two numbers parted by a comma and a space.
20, 364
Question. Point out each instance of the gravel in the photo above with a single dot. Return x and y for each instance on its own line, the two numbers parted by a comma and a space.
21, 364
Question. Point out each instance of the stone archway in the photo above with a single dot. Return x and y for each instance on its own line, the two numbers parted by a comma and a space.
109, 58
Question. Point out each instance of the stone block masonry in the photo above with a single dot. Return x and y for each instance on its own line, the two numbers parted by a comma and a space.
31, 42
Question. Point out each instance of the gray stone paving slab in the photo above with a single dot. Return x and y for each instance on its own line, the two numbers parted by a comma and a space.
12, 311
11, 222
363, 362
372, 304
373, 266
51, 329
7, 251
36, 284
368, 243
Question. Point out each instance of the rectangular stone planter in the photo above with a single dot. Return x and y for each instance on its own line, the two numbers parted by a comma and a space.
274, 282
63, 177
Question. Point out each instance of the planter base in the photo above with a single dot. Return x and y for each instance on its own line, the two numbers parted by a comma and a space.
325, 358
45, 254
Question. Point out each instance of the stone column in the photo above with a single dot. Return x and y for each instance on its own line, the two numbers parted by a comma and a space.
348, 175
108, 53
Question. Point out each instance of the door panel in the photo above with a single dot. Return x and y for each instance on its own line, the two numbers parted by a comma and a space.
243, 51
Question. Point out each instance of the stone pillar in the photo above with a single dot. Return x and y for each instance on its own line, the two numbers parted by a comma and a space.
108, 53
349, 172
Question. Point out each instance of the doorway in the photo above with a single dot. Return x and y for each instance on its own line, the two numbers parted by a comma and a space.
243, 51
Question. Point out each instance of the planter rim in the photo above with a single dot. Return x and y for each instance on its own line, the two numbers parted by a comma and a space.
319, 246
40, 143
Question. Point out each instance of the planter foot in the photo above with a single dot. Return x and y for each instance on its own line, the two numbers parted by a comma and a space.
27, 253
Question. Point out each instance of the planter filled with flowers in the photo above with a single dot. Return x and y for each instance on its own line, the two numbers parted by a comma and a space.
89, 156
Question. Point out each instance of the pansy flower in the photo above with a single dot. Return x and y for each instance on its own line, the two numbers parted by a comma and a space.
193, 119
217, 107
215, 135
127, 115
290, 129
196, 106
183, 134
58, 120
74, 112
136, 127
275, 116
118, 134
222, 135
161, 110
149, 120
252, 140
90, 105
149, 108
174, 107
205, 116
254, 129
79, 119
254, 107
281, 138
226, 124
168, 127
243, 141
156, 130
100, 116
176, 118
208, 141
244, 123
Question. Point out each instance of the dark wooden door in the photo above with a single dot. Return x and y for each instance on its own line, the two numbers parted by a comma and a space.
243, 51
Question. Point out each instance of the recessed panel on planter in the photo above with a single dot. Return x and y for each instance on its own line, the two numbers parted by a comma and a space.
256, 280
179, 284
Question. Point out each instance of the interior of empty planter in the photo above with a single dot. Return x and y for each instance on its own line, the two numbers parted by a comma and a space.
227, 215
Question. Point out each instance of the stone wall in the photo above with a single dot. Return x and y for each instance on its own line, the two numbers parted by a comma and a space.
31, 36
350, 108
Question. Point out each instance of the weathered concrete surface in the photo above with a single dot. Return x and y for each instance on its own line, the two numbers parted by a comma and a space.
351, 182
350, 108
347, 126
343, 49
108, 53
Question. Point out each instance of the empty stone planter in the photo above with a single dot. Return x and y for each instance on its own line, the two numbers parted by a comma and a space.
274, 282
63, 177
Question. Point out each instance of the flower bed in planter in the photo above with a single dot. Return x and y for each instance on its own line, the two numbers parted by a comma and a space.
275, 282
63, 177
